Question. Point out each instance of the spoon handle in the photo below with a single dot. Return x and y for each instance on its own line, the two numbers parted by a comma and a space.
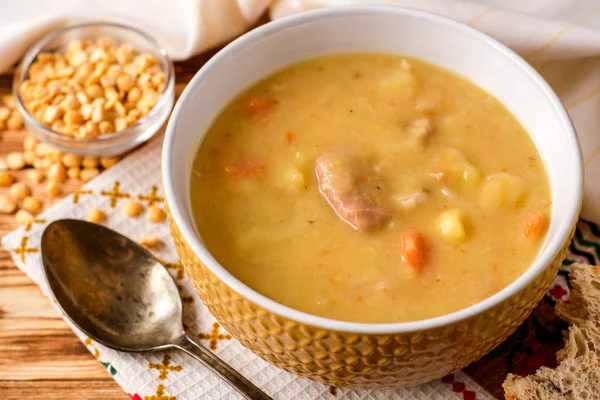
231, 376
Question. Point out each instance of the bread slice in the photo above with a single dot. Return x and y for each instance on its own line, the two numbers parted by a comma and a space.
577, 376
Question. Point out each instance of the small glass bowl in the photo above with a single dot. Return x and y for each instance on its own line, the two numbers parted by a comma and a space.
107, 144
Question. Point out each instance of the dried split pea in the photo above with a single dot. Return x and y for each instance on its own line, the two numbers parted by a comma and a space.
37, 163
36, 176
14, 122
30, 143
7, 205
24, 217
47, 163
6, 179
29, 157
88, 174
155, 214
108, 162
15, 160
53, 189
4, 113
106, 127
73, 172
96, 215
132, 208
89, 162
32, 204
71, 160
43, 150
9, 101
149, 240
19, 191
57, 173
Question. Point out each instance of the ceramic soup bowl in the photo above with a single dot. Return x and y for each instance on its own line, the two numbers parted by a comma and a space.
359, 354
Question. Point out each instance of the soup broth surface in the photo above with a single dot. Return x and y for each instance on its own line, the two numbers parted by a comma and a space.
370, 188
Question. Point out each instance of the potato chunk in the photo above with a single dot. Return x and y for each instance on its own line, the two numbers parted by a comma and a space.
502, 191
292, 179
420, 129
452, 225
452, 162
400, 84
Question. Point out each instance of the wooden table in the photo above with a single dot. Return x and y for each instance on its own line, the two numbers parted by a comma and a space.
40, 357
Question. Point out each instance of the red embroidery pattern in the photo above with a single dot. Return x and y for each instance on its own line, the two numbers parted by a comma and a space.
459, 387
557, 292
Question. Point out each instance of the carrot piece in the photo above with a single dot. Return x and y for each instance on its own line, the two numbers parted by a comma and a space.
413, 249
534, 225
260, 106
245, 169
290, 139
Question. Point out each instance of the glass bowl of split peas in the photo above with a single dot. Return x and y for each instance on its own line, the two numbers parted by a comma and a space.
95, 89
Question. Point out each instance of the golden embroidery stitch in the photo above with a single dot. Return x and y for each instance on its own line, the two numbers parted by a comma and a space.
480, 15
23, 250
152, 197
582, 99
184, 298
78, 193
214, 336
35, 221
165, 367
577, 24
88, 342
589, 160
160, 394
109, 367
177, 267
115, 195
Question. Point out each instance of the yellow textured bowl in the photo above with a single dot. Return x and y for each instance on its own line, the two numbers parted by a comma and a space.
344, 353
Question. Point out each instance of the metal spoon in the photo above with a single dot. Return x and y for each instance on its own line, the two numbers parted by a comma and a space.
120, 295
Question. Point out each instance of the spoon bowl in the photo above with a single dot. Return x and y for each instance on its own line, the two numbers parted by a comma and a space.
111, 287
120, 295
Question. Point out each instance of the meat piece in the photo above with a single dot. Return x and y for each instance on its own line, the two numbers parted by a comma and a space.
352, 189
420, 128
410, 201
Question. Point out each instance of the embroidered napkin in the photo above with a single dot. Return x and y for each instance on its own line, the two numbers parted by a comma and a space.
174, 375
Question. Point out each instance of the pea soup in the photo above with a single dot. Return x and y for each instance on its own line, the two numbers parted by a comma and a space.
370, 188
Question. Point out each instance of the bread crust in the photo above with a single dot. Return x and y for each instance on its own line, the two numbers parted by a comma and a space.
577, 377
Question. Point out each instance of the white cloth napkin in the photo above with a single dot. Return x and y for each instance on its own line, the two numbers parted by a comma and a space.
560, 38
184, 27
173, 373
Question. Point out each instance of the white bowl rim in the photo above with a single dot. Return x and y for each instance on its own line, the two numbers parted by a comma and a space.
191, 236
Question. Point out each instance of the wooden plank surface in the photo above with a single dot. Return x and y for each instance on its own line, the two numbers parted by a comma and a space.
40, 357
